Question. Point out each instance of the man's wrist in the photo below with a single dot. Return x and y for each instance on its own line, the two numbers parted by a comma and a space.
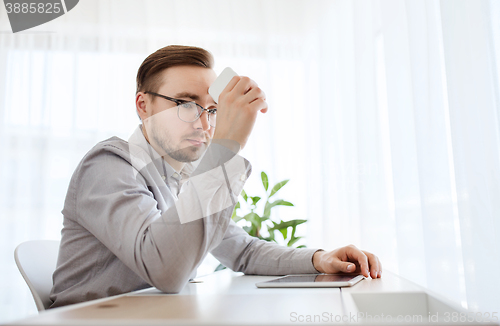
316, 258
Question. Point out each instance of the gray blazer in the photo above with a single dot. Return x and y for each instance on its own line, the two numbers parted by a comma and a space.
127, 226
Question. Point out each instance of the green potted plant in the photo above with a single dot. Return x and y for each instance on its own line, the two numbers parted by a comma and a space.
254, 223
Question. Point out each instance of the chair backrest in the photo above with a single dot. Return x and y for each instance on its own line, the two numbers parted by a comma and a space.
37, 261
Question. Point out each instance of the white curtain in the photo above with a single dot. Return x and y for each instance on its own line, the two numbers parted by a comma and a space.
384, 115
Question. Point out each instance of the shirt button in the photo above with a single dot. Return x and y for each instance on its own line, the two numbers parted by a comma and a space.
243, 177
163, 177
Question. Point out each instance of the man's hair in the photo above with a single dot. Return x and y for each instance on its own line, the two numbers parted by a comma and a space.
148, 75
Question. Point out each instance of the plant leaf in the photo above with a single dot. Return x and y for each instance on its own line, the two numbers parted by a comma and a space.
292, 241
302, 246
220, 267
244, 195
267, 209
237, 218
271, 236
287, 224
278, 186
234, 210
281, 202
264, 218
254, 219
255, 200
265, 180
252, 231
284, 232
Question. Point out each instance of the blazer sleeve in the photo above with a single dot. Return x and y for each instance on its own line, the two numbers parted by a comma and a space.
243, 253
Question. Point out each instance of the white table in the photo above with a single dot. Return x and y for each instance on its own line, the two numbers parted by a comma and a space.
229, 298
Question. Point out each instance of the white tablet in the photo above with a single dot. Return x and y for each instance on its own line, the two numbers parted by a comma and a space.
312, 281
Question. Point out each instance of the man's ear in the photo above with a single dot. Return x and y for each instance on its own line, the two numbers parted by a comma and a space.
140, 105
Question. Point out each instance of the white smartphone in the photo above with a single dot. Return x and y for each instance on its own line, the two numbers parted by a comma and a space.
312, 281
220, 83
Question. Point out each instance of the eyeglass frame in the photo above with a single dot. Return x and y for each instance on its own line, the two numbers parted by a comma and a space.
179, 102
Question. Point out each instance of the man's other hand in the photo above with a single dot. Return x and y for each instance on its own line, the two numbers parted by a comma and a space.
348, 259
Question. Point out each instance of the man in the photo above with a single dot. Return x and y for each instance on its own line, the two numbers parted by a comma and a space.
146, 212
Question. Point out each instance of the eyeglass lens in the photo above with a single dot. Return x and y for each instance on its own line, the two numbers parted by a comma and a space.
189, 112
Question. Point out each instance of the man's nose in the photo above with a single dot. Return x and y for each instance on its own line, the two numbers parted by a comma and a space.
202, 122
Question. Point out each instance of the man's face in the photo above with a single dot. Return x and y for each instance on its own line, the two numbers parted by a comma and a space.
182, 141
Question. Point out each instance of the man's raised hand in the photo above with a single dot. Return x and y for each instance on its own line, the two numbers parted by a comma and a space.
239, 104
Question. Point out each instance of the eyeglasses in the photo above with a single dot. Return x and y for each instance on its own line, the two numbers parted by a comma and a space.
189, 111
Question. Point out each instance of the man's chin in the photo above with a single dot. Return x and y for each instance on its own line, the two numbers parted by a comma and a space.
188, 154
196, 152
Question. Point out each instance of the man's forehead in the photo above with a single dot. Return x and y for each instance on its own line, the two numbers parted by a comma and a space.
187, 81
